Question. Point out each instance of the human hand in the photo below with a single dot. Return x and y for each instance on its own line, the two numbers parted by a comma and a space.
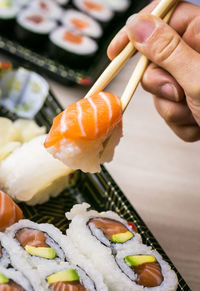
173, 77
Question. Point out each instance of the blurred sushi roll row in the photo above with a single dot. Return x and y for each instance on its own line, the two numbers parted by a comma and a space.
117, 252
28, 173
68, 31
39, 257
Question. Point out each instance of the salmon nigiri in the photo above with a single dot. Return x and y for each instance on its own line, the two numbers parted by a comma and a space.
9, 211
78, 133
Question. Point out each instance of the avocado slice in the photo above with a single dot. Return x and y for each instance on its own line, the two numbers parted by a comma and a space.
3, 279
134, 261
47, 253
63, 276
121, 237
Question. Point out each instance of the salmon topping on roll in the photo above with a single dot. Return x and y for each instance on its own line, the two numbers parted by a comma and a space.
67, 286
10, 286
149, 274
114, 230
31, 237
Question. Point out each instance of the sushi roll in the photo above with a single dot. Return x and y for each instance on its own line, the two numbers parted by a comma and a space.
146, 269
33, 28
75, 257
63, 3
34, 180
9, 211
96, 9
18, 262
71, 47
10, 279
82, 22
119, 6
66, 277
47, 8
39, 243
78, 134
23, 3
106, 228
8, 12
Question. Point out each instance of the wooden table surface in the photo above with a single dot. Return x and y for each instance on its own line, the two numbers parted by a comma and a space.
159, 174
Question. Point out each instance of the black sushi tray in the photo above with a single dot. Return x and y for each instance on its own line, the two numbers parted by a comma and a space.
35, 59
99, 190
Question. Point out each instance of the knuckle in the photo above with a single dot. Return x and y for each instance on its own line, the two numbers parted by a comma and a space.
169, 114
165, 46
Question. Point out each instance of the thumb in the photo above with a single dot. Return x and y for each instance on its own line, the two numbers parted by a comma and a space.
164, 46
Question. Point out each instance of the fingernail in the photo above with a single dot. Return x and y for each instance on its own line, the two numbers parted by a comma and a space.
169, 91
139, 28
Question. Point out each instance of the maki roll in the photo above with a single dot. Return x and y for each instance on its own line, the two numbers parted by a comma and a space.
10, 279
118, 6
106, 228
8, 12
82, 22
34, 180
71, 47
66, 277
79, 133
146, 269
33, 28
96, 9
40, 243
47, 8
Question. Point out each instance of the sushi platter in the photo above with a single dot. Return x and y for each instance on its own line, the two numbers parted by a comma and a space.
66, 40
97, 190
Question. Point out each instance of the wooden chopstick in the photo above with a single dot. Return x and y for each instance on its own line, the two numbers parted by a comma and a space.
139, 71
115, 66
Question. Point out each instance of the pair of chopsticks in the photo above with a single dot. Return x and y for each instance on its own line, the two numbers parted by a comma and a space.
163, 10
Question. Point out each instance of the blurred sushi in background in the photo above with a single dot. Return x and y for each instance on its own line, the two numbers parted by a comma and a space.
48, 8
83, 23
96, 9
117, 5
33, 28
71, 47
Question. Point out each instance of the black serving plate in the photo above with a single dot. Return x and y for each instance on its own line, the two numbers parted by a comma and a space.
34, 59
100, 190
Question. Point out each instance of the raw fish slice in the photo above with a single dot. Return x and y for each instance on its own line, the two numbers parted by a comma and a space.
9, 211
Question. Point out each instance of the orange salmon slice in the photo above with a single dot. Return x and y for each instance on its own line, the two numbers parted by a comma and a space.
93, 6
72, 37
79, 23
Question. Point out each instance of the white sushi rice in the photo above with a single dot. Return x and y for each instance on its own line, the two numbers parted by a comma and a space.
43, 27
170, 281
104, 15
87, 155
75, 257
117, 5
8, 9
31, 174
86, 47
51, 268
18, 261
52, 9
54, 237
17, 277
93, 29
4, 259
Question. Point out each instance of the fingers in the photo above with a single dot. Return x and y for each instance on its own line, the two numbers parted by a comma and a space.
182, 21
118, 44
163, 46
179, 118
162, 84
